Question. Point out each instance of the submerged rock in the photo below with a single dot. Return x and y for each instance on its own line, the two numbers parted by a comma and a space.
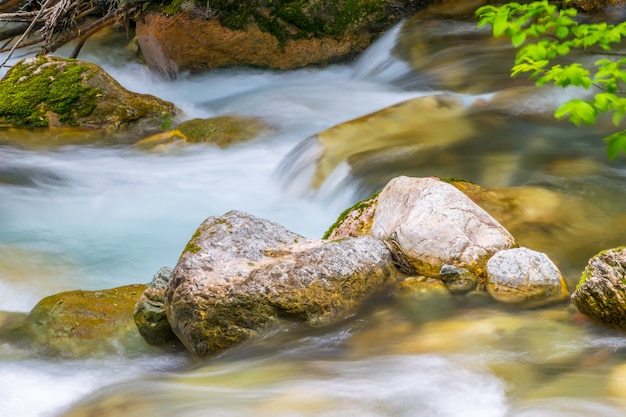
442, 121
526, 277
86, 323
534, 215
240, 274
48, 91
221, 131
282, 35
458, 280
601, 292
433, 224
149, 314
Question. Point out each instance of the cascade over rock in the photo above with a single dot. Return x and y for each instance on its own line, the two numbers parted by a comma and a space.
240, 275
280, 35
443, 121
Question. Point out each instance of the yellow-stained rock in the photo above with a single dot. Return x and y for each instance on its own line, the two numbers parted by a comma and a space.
87, 323
424, 123
221, 131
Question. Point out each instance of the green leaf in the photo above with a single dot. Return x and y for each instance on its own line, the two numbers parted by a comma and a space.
616, 143
602, 101
518, 38
577, 111
562, 32
500, 24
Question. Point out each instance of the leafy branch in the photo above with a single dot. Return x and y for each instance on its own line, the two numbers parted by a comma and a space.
543, 33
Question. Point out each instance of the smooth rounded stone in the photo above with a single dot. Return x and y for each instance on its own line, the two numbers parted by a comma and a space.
222, 131
526, 277
601, 292
433, 224
47, 91
240, 275
458, 280
87, 323
149, 315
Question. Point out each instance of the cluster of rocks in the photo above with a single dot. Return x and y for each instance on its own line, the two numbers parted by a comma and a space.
240, 276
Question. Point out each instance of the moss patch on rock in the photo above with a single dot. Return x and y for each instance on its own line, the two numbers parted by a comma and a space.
49, 91
222, 131
354, 214
34, 87
298, 19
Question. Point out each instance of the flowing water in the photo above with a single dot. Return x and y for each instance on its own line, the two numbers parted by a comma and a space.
97, 216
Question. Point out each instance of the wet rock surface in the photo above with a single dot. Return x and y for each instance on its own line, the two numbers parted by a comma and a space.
240, 275
601, 292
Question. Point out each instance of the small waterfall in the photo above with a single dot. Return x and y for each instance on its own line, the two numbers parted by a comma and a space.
378, 62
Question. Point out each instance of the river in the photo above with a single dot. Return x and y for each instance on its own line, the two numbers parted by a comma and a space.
95, 217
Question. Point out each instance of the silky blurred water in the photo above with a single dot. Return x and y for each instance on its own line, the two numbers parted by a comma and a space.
97, 216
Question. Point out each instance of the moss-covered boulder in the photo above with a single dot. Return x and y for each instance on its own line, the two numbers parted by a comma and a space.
87, 323
283, 34
601, 292
240, 275
48, 91
222, 131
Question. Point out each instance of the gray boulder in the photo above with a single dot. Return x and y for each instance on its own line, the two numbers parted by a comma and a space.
240, 274
524, 276
432, 224
149, 315
601, 292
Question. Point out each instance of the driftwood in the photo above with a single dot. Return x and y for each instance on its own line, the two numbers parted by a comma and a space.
50, 24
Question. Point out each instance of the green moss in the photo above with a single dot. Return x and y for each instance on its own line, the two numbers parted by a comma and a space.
172, 8
455, 179
360, 206
602, 254
192, 245
297, 19
33, 88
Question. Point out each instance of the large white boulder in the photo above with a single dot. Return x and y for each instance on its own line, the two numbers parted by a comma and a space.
433, 224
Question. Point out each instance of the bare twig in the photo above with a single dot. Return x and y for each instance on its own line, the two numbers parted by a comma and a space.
25, 34
58, 22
